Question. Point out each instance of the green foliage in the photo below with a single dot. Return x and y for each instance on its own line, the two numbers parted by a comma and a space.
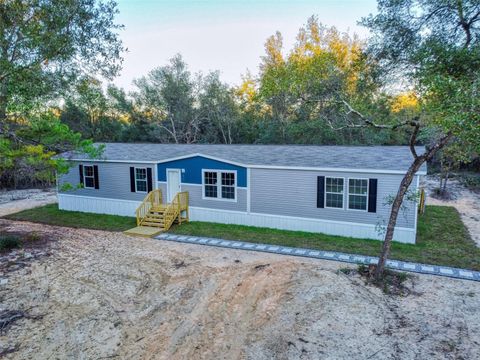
46, 46
471, 181
437, 48
31, 161
8, 242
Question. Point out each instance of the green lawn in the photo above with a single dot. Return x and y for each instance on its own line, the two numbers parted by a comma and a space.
442, 237
50, 214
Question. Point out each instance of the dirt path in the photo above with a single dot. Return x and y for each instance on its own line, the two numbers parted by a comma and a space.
107, 295
465, 201
18, 200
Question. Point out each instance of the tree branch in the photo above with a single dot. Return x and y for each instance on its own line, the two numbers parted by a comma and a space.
413, 139
366, 122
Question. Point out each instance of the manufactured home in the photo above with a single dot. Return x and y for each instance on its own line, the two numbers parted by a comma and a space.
338, 190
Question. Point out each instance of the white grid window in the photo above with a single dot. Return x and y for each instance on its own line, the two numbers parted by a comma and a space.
88, 177
228, 186
210, 184
219, 185
334, 193
357, 194
141, 179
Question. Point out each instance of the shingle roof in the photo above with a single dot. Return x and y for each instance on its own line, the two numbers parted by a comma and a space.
388, 158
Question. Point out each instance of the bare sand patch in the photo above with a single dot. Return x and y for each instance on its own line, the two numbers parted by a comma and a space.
107, 295
13, 201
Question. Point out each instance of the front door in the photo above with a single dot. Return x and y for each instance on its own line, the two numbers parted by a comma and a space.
173, 183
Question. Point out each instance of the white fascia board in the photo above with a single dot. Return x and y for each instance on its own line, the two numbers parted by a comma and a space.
372, 171
273, 167
205, 156
114, 161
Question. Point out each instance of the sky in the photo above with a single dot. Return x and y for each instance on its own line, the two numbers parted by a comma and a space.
227, 35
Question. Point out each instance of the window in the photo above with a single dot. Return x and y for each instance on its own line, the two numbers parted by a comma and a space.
88, 177
334, 193
210, 184
228, 185
357, 194
219, 184
141, 179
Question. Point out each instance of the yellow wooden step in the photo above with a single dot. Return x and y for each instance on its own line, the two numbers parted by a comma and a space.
154, 215
153, 224
152, 219
144, 231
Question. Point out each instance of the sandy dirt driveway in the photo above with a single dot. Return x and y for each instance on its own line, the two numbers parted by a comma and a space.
105, 295
17, 200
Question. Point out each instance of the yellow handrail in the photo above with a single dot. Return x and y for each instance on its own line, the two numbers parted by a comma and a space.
153, 198
421, 207
174, 209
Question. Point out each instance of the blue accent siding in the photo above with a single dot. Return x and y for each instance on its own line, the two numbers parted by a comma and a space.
193, 167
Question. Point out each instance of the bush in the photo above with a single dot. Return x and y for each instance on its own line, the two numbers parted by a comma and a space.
471, 181
8, 242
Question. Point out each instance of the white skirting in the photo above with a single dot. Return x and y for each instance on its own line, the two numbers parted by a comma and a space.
128, 207
97, 205
355, 230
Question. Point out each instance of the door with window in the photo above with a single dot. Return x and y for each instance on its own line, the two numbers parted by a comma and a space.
173, 183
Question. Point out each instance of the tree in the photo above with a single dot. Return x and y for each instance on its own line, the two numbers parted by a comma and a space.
45, 46
92, 112
301, 88
167, 96
435, 45
219, 114
451, 158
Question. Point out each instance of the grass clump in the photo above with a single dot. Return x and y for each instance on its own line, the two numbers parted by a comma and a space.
8, 242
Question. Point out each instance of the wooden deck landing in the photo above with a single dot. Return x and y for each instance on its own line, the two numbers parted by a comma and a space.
143, 231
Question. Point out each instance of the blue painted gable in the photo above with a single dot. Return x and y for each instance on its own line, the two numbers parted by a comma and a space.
192, 169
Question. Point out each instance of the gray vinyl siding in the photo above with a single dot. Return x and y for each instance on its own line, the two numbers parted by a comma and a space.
195, 197
294, 193
113, 178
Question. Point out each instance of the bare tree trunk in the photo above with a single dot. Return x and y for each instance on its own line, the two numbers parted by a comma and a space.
444, 188
405, 183
397, 203
3, 106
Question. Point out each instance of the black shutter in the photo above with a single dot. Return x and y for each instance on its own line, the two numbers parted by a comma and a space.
132, 179
149, 179
80, 171
372, 195
320, 191
95, 176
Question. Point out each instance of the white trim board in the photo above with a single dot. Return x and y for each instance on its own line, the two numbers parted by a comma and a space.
252, 166
97, 205
363, 231
128, 207
114, 161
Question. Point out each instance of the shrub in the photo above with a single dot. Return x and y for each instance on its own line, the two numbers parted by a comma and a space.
471, 181
8, 242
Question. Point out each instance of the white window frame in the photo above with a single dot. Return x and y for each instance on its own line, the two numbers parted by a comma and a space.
367, 194
219, 185
91, 177
343, 193
146, 180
